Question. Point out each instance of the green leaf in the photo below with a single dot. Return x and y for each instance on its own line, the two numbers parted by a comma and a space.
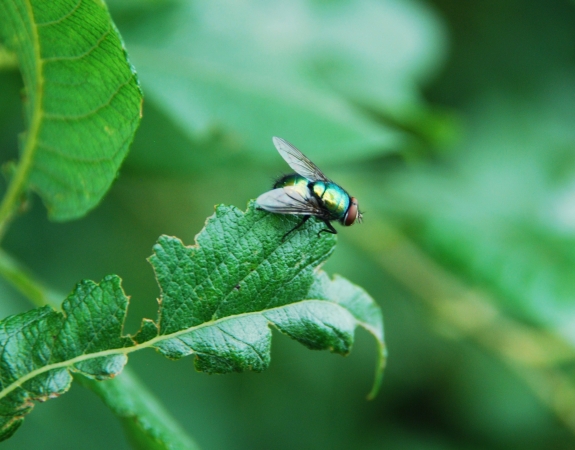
146, 421
218, 299
253, 70
82, 103
501, 213
7, 59
42, 346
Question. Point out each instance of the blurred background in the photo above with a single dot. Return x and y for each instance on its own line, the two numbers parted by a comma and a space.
452, 122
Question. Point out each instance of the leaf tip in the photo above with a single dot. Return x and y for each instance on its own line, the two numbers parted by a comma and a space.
379, 369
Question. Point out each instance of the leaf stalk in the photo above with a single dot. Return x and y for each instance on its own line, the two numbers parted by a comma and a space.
19, 181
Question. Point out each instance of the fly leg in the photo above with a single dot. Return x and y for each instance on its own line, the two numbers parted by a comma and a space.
329, 229
304, 220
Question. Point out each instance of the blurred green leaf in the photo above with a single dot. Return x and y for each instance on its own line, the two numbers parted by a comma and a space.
257, 69
8, 59
501, 213
218, 299
82, 102
146, 422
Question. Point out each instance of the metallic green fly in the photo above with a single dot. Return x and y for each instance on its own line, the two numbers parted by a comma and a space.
308, 193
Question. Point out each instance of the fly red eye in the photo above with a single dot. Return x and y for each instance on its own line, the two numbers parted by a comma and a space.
352, 213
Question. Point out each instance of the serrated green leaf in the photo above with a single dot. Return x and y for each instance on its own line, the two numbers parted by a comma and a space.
82, 104
237, 256
42, 346
146, 421
219, 298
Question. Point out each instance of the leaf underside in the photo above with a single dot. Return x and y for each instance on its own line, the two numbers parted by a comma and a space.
82, 99
218, 299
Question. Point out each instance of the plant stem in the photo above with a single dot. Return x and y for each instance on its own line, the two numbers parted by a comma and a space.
19, 180
13, 272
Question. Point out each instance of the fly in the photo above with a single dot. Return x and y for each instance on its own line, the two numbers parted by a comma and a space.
308, 192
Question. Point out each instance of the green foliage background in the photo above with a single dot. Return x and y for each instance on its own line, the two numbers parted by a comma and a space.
451, 122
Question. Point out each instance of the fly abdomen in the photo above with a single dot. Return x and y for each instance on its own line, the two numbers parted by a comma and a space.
293, 179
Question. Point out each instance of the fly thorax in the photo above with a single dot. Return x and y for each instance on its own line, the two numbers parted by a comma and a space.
334, 198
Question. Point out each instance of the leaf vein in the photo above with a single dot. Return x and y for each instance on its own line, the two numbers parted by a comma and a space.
62, 154
51, 59
73, 118
125, 350
265, 257
247, 344
60, 19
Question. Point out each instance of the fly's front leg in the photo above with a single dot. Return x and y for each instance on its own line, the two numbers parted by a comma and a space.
305, 219
330, 228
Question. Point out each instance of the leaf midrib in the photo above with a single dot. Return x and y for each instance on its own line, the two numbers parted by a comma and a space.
126, 350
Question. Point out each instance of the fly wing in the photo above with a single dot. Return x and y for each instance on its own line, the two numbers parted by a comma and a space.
298, 161
289, 200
